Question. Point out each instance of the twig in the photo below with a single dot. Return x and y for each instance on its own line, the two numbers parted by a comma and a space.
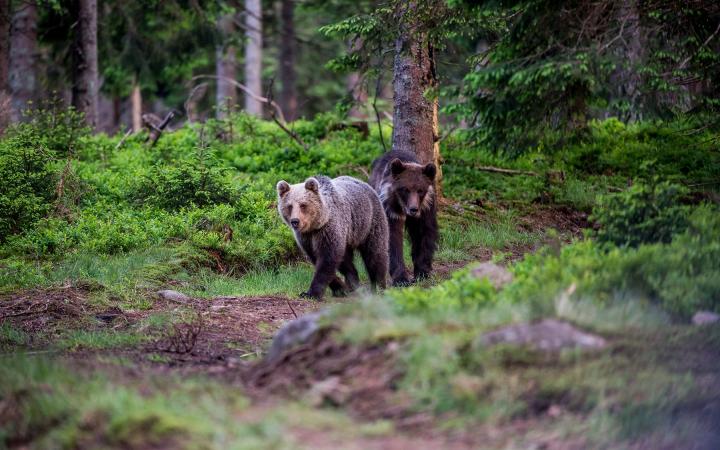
377, 113
291, 308
122, 141
281, 122
247, 91
707, 41
457, 125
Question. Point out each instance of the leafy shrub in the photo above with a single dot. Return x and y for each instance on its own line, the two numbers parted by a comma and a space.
462, 291
27, 180
195, 182
641, 214
681, 277
674, 151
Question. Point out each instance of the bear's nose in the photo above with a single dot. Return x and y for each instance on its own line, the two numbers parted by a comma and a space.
413, 210
295, 223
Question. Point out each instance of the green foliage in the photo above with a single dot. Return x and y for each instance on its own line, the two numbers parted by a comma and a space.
31, 177
27, 178
547, 70
76, 410
641, 214
196, 182
681, 277
462, 292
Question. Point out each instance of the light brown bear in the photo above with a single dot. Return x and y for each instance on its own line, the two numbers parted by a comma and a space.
331, 218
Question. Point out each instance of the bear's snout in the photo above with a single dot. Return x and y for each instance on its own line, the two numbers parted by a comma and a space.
413, 211
295, 223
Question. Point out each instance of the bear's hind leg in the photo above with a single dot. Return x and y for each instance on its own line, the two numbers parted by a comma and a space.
347, 268
423, 233
338, 287
376, 263
398, 271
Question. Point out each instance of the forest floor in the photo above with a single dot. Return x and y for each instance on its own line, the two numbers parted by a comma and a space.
223, 339
208, 353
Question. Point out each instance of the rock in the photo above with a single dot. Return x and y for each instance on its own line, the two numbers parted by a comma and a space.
293, 334
498, 275
329, 390
174, 296
705, 318
547, 335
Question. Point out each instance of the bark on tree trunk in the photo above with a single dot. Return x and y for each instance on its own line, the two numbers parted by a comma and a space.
23, 58
414, 75
136, 107
288, 77
356, 88
85, 63
4, 61
226, 97
253, 56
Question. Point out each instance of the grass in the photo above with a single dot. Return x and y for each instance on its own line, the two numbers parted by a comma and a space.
460, 236
99, 339
288, 280
53, 406
11, 337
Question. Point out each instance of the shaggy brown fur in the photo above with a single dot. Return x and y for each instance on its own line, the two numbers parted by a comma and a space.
331, 219
406, 189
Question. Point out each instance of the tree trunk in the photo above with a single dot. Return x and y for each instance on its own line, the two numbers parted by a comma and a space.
85, 62
4, 61
414, 75
23, 58
253, 56
136, 107
288, 77
356, 88
226, 97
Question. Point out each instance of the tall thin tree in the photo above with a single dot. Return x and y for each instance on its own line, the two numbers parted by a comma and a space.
414, 88
22, 71
288, 49
4, 61
253, 57
226, 95
85, 61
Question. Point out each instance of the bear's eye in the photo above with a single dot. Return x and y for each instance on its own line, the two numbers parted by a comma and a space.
303, 206
289, 208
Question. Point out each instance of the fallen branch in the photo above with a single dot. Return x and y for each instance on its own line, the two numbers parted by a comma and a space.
506, 171
155, 126
281, 121
122, 141
247, 91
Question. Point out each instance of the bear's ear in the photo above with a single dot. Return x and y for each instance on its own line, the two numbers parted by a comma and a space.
430, 171
396, 166
311, 184
283, 188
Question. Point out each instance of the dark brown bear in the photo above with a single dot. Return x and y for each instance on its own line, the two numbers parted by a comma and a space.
406, 190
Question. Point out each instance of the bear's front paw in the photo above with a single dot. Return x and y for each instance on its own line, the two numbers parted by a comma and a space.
421, 275
339, 293
308, 294
401, 282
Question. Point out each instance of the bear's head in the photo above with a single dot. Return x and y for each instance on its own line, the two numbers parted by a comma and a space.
413, 185
301, 205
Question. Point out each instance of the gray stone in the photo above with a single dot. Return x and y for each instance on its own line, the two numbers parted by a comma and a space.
173, 296
294, 333
546, 335
498, 275
705, 318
